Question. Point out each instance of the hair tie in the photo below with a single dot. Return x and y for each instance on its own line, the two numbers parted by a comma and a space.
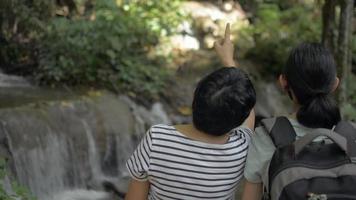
316, 95
321, 93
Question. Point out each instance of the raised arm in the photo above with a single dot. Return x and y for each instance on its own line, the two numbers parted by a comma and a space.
225, 49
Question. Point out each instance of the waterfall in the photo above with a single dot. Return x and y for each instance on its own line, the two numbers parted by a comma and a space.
94, 160
45, 156
74, 149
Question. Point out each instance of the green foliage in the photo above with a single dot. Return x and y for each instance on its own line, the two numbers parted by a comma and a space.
22, 23
276, 32
24, 17
114, 49
111, 44
161, 16
20, 192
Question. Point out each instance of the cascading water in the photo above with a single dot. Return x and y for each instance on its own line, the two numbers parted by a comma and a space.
12, 81
47, 158
67, 150
94, 160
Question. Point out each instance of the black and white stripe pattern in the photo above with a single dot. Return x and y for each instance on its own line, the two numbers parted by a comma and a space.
178, 167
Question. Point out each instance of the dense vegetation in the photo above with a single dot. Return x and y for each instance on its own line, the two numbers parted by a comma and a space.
276, 31
109, 44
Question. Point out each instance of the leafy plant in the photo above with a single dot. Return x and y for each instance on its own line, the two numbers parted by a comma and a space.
161, 16
20, 192
114, 49
111, 44
276, 32
22, 23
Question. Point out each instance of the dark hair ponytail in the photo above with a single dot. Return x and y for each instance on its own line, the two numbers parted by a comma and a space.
320, 112
311, 73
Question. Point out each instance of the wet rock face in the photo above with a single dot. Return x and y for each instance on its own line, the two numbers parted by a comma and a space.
13, 81
62, 148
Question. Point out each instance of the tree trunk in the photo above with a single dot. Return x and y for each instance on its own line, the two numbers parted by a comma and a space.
329, 25
344, 49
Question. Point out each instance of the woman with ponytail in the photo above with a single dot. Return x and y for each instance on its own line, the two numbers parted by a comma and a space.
309, 79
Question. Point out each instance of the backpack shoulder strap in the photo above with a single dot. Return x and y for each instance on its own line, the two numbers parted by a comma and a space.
280, 130
281, 133
347, 130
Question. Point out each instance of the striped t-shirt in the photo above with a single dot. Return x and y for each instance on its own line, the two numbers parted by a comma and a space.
178, 167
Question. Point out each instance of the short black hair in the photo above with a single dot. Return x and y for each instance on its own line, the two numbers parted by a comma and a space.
222, 101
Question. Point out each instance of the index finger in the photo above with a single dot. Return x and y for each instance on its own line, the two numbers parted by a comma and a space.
227, 31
